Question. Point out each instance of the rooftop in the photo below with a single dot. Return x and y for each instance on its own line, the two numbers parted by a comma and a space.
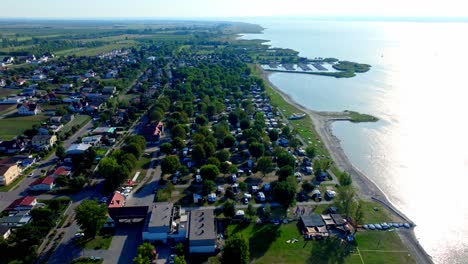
312, 220
46, 180
161, 214
201, 225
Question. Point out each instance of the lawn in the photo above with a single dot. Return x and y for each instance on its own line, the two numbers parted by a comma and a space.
79, 120
99, 242
13, 126
6, 92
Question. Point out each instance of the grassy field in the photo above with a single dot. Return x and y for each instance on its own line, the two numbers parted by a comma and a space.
99, 242
78, 120
13, 126
4, 92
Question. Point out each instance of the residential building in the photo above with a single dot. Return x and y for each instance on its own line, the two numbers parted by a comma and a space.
109, 90
13, 100
93, 140
28, 108
61, 171
5, 232
201, 233
24, 203
2, 83
78, 148
16, 219
43, 141
44, 184
153, 132
313, 226
13, 146
9, 171
56, 119
117, 200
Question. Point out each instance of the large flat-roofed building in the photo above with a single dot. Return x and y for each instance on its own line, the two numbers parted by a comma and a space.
201, 233
159, 222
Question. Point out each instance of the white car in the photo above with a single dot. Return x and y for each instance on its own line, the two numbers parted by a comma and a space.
79, 235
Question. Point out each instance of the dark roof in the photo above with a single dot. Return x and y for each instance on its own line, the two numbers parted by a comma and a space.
4, 229
201, 225
338, 219
312, 220
23, 201
46, 180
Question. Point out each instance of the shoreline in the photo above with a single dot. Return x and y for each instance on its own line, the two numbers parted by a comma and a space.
366, 188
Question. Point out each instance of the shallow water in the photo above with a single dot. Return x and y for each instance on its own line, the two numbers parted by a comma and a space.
418, 153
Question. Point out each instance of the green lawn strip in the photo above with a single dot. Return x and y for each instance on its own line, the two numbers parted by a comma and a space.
78, 120
87, 261
386, 257
6, 92
10, 127
99, 242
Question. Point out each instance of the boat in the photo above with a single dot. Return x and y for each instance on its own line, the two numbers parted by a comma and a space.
365, 226
297, 116
406, 225
378, 226
371, 227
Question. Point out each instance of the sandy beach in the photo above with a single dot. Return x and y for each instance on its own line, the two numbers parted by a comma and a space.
365, 187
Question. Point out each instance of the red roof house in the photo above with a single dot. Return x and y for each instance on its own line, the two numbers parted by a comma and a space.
23, 203
117, 200
44, 184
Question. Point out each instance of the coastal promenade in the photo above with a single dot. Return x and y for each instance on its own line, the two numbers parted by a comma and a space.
365, 187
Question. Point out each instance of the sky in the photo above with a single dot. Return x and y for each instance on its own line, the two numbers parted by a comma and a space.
231, 8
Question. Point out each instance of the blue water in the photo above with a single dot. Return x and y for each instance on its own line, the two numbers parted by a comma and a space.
419, 148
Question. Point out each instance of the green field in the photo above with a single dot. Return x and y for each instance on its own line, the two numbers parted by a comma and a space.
78, 120
268, 245
13, 126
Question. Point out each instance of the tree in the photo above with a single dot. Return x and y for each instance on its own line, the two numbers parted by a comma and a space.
180, 249
208, 186
233, 119
179, 260
236, 250
244, 124
344, 200
310, 152
284, 172
229, 209
170, 164
213, 161
141, 260
178, 131
284, 159
250, 210
285, 191
273, 134
134, 148
60, 151
256, 149
147, 250
166, 148
267, 211
264, 165
198, 154
223, 155
345, 179
201, 120
209, 172
91, 215
178, 143
286, 132
156, 115
108, 167
358, 213
229, 141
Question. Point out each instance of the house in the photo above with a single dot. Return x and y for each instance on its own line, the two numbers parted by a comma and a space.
92, 140
8, 60
94, 106
111, 74
103, 130
56, 119
201, 233
313, 226
13, 100
160, 221
43, 141
24, 203
2, 83
13, 146
61, 171
109, 90
90, 74
67, 86
5, 231
78, 148
9, 171
38, 77
16, 219
68, 117
44, 184
28, 108
29, 91
153, 132
20, 82
76, 107
117, 200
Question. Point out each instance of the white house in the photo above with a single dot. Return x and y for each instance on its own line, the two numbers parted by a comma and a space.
93, 140
78, 148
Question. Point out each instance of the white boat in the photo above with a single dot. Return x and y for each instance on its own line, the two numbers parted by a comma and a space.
297, 116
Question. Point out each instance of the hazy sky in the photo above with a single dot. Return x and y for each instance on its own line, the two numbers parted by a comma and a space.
229, 8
